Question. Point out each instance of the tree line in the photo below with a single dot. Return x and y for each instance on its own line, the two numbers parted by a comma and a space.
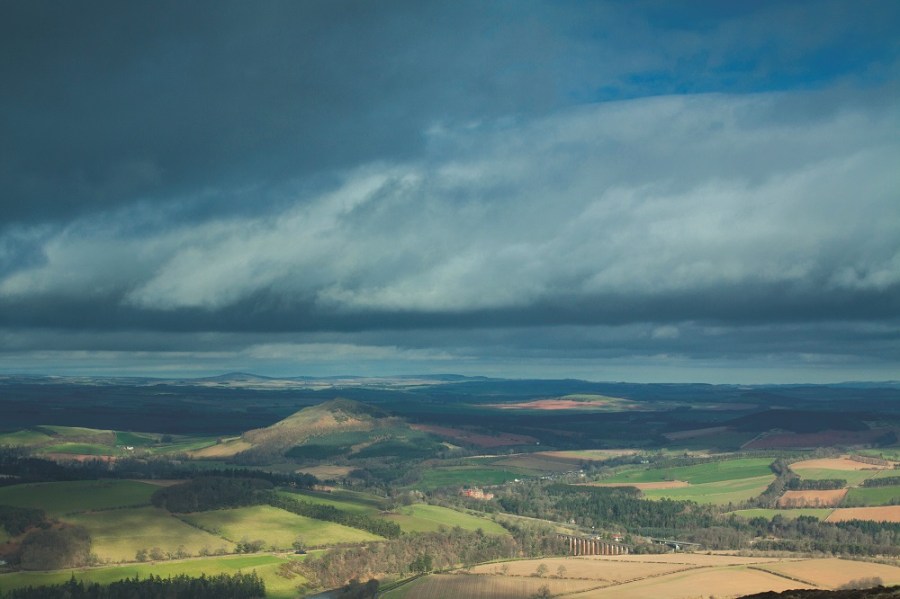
221, 586
433, 551
213, 493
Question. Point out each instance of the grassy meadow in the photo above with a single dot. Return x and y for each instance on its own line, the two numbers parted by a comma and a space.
718, 493
872, 496
266, 566
342, 500
119, 534
710, 472
430, 518
78, 496
275, 527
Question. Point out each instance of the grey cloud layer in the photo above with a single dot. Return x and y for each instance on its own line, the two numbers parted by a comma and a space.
630, 211
495, 188
108, 103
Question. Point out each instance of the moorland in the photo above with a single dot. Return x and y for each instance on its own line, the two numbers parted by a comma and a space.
447, 486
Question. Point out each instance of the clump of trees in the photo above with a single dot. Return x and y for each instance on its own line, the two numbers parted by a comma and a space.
824, 484
16, 520
55, 548
211, 493
378, 526
415, 553
887, 481
221, 586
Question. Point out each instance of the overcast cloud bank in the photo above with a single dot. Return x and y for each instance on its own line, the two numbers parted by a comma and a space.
565, 219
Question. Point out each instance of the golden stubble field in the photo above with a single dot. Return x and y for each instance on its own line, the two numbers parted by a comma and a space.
669, 576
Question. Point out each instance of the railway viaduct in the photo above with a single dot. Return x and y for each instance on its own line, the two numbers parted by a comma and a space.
591, 546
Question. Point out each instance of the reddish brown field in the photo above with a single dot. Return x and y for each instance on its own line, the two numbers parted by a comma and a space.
697, 432
78, 457
464, 436
551, 404
810, 440
830, 498
888, 513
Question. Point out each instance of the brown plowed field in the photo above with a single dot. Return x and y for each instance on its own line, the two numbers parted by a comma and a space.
696, 583
667, 576
585, 568
887, 513
829, 498
842, 463
833, 573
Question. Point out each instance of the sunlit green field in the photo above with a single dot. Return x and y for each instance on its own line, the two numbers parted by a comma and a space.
119, 534
719, 493
275, 527
698, 474
26, 437
264, 565
78, 496
340, 501
871, 496
134, 439
430, 518
768, 514
853, 477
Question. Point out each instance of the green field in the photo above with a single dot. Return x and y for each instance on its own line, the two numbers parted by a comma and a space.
119, 534
264, 565
719, 493
275, 527
871, 496
4, 536
24, 438
134, 439
339, 500
80, 449
710, 472
437, 478
430, 518
885, 453
78, 496
853, 477
73, 431
819, 513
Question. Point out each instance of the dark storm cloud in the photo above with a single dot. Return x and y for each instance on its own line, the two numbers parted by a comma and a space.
409, 182
108, 102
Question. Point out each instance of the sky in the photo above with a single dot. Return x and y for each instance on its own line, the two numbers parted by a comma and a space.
613, 190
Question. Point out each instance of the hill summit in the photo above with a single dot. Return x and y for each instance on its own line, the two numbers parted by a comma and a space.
334, 416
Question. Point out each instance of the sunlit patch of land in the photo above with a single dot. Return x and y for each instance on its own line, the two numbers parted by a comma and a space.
267, 566
277, 528
119, 534
430, 518
60, 498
